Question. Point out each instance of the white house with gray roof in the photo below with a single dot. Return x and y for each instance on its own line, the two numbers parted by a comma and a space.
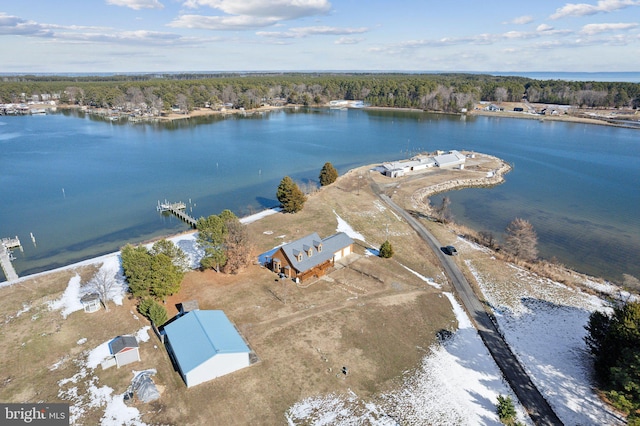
310, 256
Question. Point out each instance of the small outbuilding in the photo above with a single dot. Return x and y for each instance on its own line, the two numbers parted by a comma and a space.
90, 302
124, 350
203, 345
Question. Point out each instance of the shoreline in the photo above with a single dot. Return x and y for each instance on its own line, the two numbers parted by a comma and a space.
101, 258
497, 178
204, 112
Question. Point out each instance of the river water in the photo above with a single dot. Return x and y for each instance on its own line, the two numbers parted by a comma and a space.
84, 186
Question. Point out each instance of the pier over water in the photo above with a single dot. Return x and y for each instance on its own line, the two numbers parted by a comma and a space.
6, 245
178, 210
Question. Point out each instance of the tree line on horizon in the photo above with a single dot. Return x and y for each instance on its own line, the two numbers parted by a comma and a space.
432, 92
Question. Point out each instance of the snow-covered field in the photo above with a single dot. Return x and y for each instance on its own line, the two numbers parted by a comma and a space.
543, 322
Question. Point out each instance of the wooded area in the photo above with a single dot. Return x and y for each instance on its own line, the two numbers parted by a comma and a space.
433, 92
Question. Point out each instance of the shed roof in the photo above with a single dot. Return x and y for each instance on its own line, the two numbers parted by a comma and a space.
89, 297
200, 335
121, 343
330, 245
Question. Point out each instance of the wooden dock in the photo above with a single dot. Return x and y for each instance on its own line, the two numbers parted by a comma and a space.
178, 210
6, 245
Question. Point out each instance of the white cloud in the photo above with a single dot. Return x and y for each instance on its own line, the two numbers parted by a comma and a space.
222, 23
591, 29
310, 31
137, 4
13, 25
281, 9
520, 20
348, 40
582, 9
544, 28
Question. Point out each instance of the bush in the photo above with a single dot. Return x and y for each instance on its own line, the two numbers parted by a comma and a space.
386, 250
506, 410
151, 309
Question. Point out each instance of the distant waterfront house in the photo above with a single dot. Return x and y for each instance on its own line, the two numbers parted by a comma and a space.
310, 256
124, 350
203, 345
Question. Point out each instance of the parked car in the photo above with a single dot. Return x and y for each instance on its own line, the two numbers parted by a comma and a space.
450, 250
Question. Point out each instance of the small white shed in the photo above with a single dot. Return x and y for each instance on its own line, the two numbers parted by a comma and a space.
124, 350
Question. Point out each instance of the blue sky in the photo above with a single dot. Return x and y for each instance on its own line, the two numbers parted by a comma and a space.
270, 35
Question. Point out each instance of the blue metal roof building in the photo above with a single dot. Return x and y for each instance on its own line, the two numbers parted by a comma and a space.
205, 345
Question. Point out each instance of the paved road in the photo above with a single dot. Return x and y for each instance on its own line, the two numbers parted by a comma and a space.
532, 400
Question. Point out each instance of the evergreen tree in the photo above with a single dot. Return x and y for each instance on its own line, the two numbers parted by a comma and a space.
158, 314
386, 250
154, 311
614, 340
175, 253
150, 275
328, 174
290, 196
506, 410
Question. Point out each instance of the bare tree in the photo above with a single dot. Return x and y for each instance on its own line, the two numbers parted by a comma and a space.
443, 212
487, 238
521, 239
238, 245
102, 283
500, 94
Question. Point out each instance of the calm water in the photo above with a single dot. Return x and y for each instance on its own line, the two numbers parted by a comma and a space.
85, 187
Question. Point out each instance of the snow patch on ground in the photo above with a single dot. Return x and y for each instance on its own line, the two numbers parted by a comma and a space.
84, 393
97, 355
343, 226
474, 246
543, 323
260, 215
70, 300
429, 281
372, 252
112, 268
189, 245
457, 383
142, 335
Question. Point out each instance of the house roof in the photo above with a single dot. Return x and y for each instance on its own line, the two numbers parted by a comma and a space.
330, 245
121, 343
200, 335
453, 157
